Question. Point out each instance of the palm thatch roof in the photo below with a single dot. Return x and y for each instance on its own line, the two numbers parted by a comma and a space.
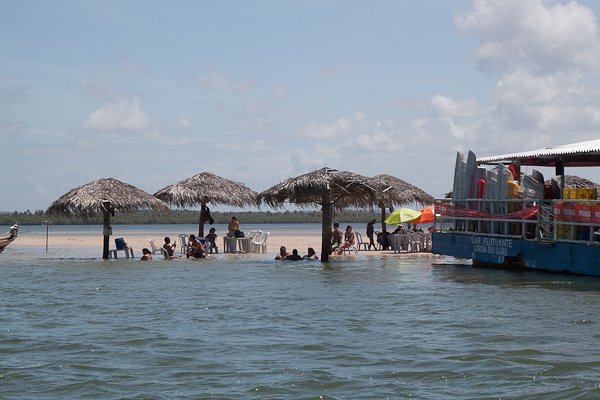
308, 189
90, 199
398, 193
572, 182
204, 188
326, 187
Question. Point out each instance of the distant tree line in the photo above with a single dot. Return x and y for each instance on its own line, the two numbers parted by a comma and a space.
190, 217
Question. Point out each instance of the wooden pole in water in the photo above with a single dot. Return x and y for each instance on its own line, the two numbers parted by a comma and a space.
203, 219
47, 223
106, 216
326, 225
107, 210
383, 227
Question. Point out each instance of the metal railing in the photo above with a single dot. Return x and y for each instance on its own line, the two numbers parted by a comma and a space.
541, 226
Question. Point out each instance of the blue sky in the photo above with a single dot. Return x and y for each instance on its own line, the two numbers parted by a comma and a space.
152, 92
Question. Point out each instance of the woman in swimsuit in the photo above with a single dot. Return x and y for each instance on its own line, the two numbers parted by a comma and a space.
233, 226
349, 236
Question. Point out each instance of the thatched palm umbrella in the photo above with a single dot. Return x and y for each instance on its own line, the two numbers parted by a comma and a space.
395, 192
204, 188
326, 187
104, 196
572, 181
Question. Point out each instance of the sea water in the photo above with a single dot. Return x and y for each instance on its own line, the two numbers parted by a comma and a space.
228, 327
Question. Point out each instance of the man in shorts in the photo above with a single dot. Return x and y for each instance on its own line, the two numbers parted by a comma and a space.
336, 237
196, 248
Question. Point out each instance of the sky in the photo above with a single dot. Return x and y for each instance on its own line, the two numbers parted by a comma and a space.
153, 92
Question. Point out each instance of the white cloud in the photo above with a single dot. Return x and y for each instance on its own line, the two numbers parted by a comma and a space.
124, 115
549, 57
344, 127
526, 34
9, 127
183, 124
448, 107
214, 80
279, 92
456, 130
121, 114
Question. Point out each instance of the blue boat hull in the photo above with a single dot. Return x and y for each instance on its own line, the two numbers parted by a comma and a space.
576, 258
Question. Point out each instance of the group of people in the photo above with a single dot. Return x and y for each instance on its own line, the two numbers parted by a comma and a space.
284, 255
339, 241
337, 247
195, 247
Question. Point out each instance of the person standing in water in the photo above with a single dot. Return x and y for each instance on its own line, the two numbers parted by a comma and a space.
370, 232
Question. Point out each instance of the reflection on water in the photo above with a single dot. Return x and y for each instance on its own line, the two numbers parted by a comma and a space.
367, 327
465, 273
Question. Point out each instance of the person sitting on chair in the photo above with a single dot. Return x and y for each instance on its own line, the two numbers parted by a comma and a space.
233, 227
147, 255
382, 239
349, 236
399, 229
196, 248
212, 237
170, 248
336, 237
311, 255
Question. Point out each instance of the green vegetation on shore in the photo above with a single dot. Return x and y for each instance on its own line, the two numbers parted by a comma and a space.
191, 217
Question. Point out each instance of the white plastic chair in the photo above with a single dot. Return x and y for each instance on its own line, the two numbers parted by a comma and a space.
403, 240
184, 239
259, 245
394, 243
155, 250
209, 246
415, 242
359, 241
158, 250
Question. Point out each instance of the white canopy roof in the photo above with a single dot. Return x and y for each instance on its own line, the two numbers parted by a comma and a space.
583, 154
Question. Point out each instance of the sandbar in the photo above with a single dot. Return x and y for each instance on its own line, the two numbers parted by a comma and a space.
301, 243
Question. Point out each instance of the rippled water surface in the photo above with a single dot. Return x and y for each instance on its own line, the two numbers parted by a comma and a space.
369, 327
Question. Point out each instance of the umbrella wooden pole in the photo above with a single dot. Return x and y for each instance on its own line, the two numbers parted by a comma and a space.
383, 227
201, 223
326, 228
106, 215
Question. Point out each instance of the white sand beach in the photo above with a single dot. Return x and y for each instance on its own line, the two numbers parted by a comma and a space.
302, 243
